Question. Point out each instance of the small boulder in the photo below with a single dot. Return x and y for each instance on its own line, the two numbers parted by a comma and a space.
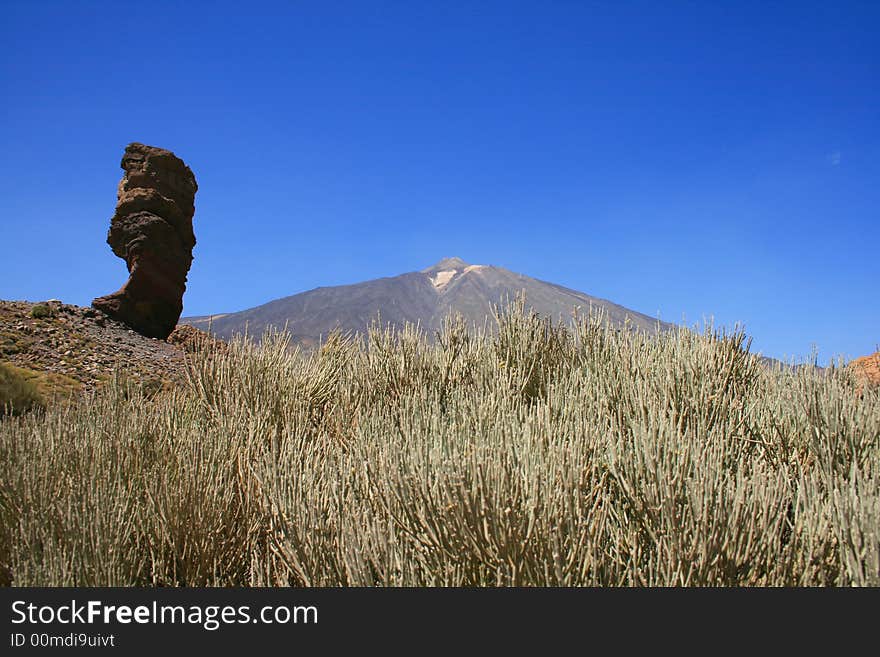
191, 339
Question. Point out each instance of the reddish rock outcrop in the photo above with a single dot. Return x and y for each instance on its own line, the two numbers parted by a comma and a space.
191, 340
867, 370
152, 231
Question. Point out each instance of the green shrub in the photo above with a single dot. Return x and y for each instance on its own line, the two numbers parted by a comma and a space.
17, 393
41, 311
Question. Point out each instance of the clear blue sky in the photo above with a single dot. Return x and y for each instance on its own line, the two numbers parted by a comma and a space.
686, 159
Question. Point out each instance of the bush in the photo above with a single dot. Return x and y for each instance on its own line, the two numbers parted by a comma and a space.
535, 456
41, 311
17, 393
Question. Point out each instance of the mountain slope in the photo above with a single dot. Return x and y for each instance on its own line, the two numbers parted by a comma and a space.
424, 298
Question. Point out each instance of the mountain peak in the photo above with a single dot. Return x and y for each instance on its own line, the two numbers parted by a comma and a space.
447, 264
423, 298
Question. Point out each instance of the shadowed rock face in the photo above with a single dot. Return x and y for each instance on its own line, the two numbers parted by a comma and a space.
152, 231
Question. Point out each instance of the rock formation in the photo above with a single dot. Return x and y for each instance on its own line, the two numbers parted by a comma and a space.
152, 231
191, 340
867, 371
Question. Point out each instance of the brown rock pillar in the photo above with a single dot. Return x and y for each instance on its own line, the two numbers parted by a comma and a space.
152, 231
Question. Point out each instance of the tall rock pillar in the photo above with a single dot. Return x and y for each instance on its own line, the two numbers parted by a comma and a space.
152, 231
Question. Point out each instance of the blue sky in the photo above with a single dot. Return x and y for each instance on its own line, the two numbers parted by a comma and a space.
684, 159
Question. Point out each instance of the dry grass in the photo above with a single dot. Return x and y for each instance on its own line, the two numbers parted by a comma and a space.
536, 456
18, 392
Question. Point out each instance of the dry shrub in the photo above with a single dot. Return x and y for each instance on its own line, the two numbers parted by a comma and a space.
535, 455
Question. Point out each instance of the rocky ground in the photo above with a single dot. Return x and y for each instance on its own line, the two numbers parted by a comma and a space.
65, 348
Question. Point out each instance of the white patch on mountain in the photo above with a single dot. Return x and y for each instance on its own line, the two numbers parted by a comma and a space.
442, 278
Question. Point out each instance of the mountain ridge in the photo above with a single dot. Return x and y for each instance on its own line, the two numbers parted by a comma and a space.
423, 297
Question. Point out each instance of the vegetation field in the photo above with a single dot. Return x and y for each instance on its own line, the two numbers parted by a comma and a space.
535, 455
